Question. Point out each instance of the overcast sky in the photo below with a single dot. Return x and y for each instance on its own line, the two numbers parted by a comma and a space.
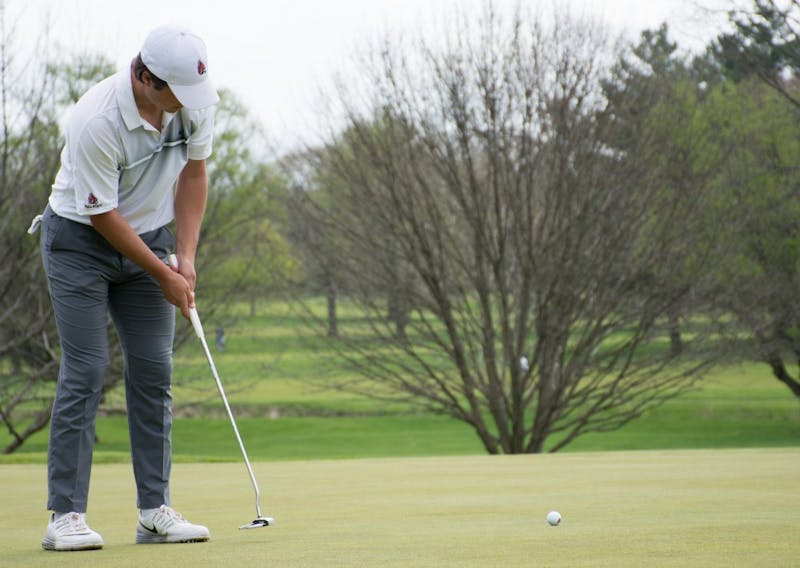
274, 54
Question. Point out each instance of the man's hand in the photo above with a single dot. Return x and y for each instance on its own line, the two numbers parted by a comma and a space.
177, 291
186, 269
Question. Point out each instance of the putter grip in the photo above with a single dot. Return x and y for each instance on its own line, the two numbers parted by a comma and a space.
196, 324
195, 319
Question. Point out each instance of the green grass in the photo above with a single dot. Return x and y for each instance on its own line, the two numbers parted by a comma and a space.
678, 508
706, 419
212, 439
738, 406
273, 368
353, 482
272, 362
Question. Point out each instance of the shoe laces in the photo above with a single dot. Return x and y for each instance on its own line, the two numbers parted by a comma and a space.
72, 523
167, 516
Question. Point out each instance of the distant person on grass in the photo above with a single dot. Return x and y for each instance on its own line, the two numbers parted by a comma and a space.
221, 338
134, 160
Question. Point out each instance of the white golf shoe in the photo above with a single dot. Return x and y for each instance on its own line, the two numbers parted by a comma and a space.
70, 532
165, 524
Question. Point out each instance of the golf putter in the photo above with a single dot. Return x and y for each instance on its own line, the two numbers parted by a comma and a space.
260, 520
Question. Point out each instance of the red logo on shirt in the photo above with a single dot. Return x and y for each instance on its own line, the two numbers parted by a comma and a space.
201, 68
92, 202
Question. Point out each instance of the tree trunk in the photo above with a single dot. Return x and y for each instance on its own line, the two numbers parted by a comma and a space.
675, 341
780, 372
399, 311
40, 421
333, 324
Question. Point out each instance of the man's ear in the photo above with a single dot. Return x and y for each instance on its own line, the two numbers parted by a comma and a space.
147, 78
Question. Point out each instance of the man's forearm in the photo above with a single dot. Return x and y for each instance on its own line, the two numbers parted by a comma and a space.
190, 205
116, 230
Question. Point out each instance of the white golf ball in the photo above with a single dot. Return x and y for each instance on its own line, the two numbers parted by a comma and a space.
554, 518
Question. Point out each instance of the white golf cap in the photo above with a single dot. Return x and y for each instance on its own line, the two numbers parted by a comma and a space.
176, 55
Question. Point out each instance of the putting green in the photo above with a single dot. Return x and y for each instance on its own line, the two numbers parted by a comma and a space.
670, 508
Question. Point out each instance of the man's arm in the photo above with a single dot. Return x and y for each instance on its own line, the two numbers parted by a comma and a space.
190, 205
116, 230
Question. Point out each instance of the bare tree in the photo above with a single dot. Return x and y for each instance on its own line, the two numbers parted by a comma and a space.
28, 161
314, 238
477, 176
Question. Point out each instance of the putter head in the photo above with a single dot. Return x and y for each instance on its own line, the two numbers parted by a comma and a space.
258, 523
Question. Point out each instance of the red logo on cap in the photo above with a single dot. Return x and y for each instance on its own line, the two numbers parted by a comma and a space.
201, 68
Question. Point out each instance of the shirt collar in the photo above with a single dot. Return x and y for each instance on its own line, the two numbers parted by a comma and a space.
127, 104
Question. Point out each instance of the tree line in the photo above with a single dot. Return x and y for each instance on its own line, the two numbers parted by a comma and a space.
548, 231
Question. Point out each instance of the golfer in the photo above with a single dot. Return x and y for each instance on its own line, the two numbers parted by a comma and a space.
133, 161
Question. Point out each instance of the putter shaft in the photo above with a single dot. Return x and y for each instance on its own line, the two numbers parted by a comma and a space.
198, 329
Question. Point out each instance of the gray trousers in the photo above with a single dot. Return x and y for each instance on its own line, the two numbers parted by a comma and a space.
88, 279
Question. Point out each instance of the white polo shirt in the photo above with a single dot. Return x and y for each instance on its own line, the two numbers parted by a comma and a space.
114, 159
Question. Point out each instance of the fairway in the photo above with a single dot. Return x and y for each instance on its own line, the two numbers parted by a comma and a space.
657, 508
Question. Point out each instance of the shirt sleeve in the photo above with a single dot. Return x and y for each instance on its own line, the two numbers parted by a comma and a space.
201, 140
96, 166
